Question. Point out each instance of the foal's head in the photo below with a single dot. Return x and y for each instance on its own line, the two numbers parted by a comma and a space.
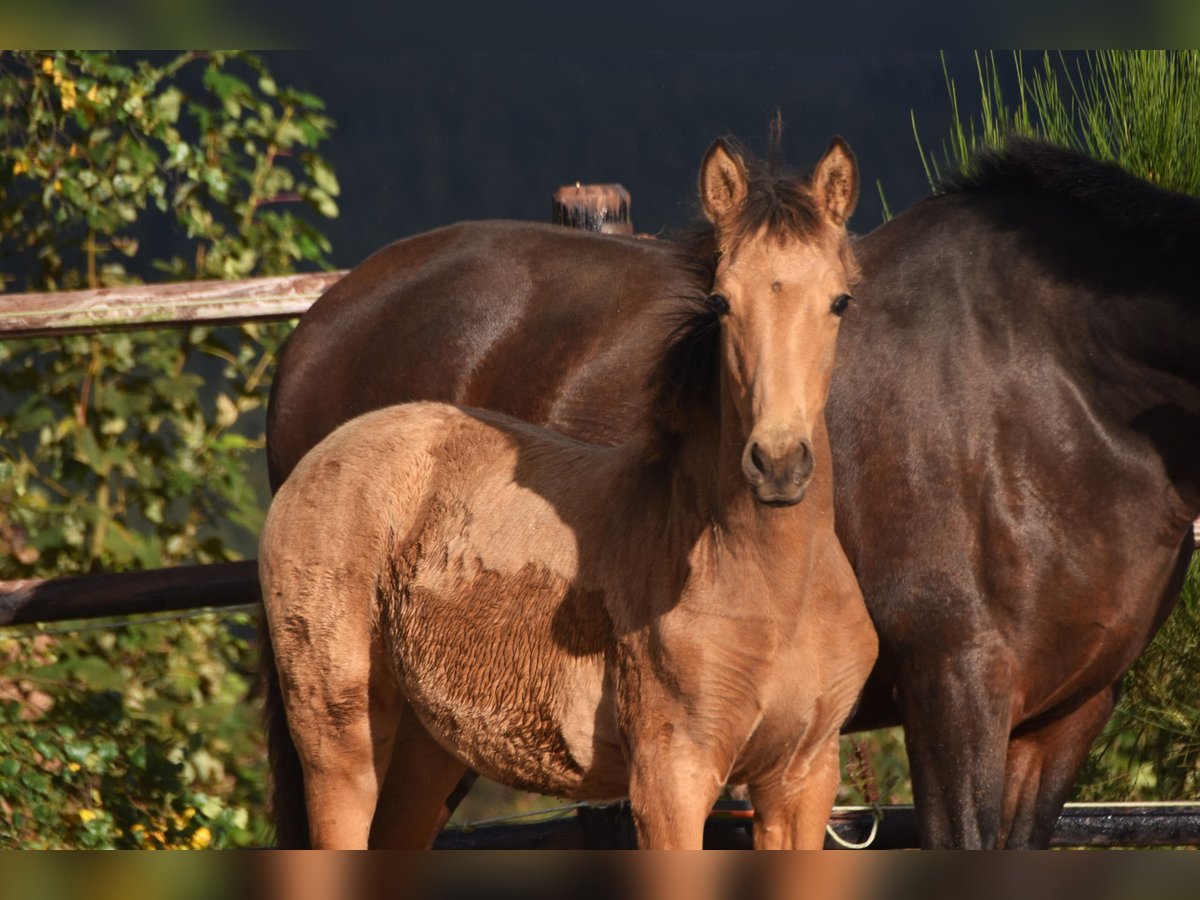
782, 283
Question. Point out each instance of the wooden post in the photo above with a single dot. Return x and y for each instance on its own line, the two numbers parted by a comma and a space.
593, 207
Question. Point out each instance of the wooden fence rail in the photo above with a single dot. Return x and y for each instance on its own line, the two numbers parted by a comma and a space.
611, 828
111, 594
161, 305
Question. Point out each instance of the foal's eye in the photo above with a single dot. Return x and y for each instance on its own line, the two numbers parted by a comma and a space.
718, 304
840, 303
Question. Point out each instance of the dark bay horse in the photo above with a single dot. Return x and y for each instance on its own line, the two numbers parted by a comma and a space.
446, 586
1014, 416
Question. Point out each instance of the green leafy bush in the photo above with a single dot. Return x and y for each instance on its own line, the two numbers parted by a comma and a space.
132, 450
138, 736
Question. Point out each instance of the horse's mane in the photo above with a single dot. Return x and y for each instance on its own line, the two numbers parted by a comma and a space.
685, 379
1119, 199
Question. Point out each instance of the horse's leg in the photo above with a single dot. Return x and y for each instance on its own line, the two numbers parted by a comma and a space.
671, 791
957, 712
344, 729
457, 796
411, 809
791, 809
1042, 765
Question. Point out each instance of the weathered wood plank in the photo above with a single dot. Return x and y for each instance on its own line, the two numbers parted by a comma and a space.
161, 305
128, 593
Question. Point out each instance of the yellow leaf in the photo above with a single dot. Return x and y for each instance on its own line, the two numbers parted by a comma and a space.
201, 838
86, 815
227, 411
48, 65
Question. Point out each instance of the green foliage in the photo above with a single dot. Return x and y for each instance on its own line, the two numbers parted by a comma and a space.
1135, 108
90, 146
115, 456
136, 737
129, 451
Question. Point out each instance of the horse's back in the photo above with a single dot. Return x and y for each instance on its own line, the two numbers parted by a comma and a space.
380, 474
447, 315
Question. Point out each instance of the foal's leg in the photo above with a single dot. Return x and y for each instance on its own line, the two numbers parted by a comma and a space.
1042, 765
791, 808
671, 790
412, 809
344, 724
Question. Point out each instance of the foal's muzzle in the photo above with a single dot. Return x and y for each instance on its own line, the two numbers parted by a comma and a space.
778, 474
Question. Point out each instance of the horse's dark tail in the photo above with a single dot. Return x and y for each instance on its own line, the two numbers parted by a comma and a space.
288, 811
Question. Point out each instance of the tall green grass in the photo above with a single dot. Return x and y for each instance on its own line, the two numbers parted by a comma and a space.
1140, 109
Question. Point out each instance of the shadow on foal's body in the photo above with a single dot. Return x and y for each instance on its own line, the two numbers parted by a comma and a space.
450, 588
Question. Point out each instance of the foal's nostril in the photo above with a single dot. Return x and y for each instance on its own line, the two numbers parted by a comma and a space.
780, 473
756, 460
803, 463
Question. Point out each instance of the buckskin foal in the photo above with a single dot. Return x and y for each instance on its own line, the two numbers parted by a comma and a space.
447, 587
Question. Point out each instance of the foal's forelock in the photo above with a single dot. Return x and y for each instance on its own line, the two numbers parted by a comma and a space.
777, 213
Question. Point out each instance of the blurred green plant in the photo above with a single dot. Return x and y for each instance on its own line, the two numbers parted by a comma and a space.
1135, 108
128, 451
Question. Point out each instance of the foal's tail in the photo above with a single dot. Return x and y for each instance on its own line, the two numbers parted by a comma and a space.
287, 777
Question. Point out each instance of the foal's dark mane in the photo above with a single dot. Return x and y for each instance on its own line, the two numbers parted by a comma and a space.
686, 377
1135, 207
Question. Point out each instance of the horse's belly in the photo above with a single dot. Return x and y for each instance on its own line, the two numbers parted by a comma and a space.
559, 741
508, 672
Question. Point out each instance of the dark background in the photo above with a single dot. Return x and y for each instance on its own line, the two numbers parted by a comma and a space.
426, 138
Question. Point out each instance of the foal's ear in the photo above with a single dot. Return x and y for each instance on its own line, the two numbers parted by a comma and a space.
722, 181
835, 182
